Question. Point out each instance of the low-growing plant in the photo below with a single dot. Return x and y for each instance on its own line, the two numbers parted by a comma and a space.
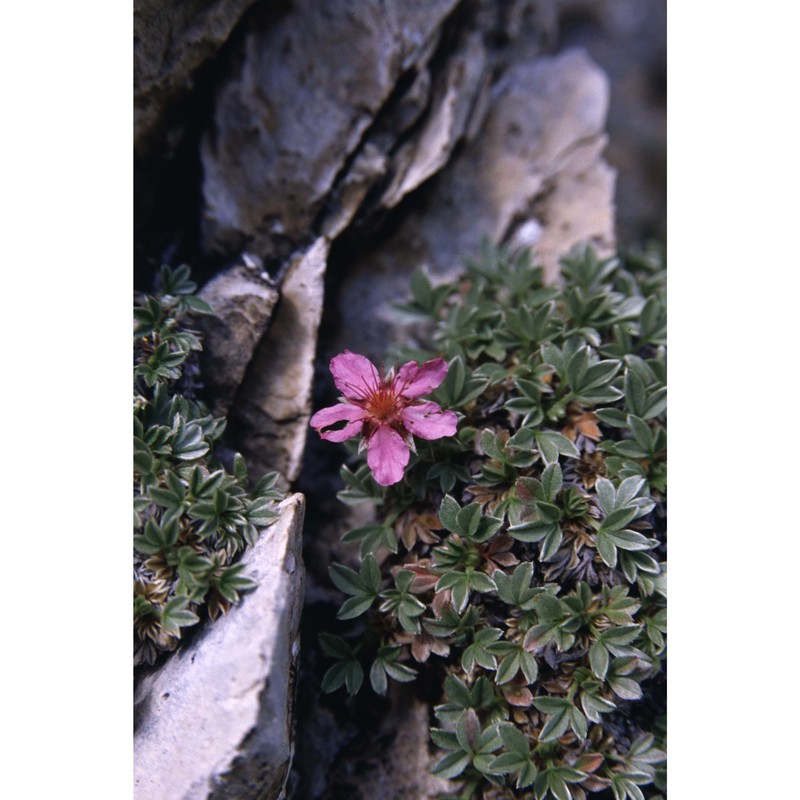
191, 517
519, 559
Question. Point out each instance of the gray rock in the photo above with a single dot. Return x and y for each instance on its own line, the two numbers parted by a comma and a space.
452, 105
368, 166
535, 169
269, 419
287, 122
216, 721
242, 299
171, 39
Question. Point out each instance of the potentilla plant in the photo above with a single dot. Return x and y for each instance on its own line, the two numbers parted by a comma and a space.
518, 553
385, 411
191, 517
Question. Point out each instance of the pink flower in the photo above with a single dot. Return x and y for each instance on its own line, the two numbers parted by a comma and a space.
385, 411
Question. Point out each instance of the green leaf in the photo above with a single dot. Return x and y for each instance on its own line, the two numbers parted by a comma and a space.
619, 518
619, 636
635, 393
642, 433
598, 659
558, 787
626, 688
260, 512
458, 692
578, 723
606, 495
508, 668
556, 725
481, 582
344, 673
594, 705
445, 739
552, 479
176, 615
629, 489
452, 765
448, 513
532, 531
612, 416
550, 705
515, 741
377, 678
598, 374
400, 672
606, 548
355, 606
508, 762
552, 443
468, 519
656, 403
551, 543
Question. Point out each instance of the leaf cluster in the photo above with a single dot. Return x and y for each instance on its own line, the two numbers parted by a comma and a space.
191, 517
534, 583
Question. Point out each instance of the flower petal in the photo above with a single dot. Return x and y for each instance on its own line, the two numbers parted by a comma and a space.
428, 421
413, 381
355, 376
343, 412
387, 455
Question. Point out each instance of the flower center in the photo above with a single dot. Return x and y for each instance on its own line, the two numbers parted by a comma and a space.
382, 404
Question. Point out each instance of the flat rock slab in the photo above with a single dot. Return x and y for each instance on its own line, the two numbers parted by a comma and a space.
215, 722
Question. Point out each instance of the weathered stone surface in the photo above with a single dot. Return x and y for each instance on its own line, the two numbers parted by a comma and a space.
628, 39
286, 124
242, 298
537, 159
216, 721
368, 166
269, 419
171, 39
452, 106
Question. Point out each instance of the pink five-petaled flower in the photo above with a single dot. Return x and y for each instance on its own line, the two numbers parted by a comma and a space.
385, 411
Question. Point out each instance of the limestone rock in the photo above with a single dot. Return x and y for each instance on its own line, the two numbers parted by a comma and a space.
369, 165
535, 165
216, 721
172, 38
242, 298
286, 122
452, 105
269, 420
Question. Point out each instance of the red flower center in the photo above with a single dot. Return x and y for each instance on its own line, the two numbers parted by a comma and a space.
382, 405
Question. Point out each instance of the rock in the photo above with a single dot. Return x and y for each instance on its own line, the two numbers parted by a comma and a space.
269, 420
627, 38
216, 721
171, 39
368, 166
451, 108
242, 298
286, 122
535, 168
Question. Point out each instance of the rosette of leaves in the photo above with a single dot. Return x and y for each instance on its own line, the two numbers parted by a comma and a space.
191, 517
522, 561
